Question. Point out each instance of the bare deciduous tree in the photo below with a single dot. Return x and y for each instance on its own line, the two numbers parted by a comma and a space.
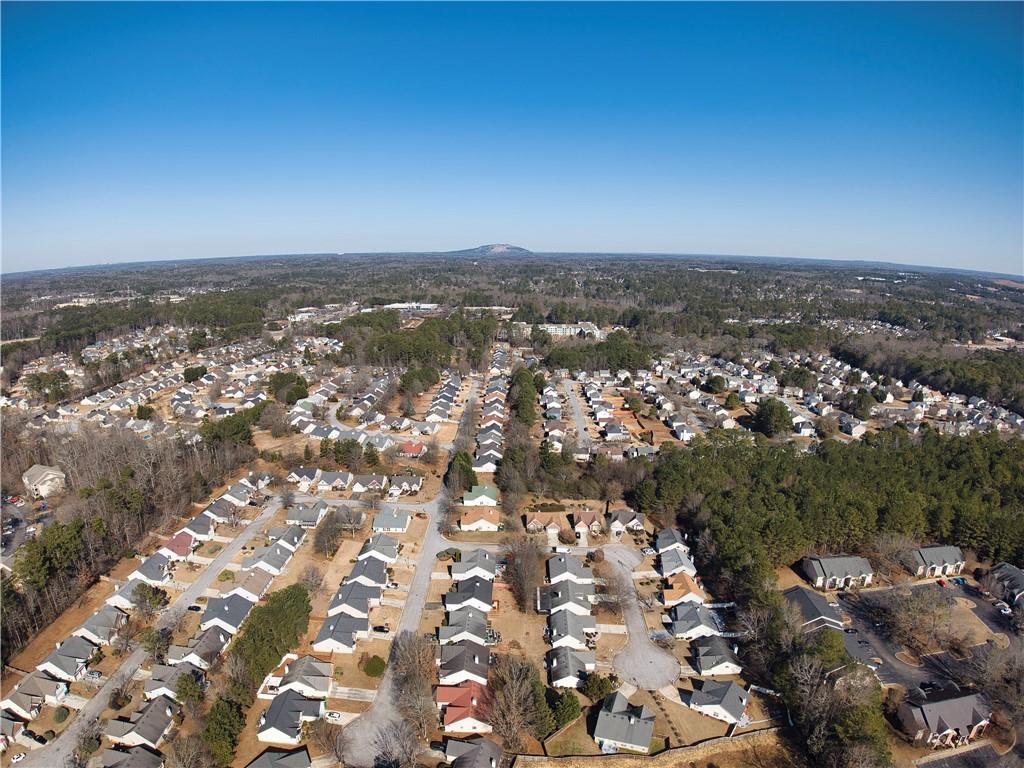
509, 703
396, 746
524, 570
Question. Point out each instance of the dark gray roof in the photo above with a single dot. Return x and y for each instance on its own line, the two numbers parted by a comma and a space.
948, 709
728, 695
105, 622
358, 596
938, 556
276, 556
560, 565
282, 758
288, 710
342, 628
149, 723
686, 617
131, 757
154, 567
71, 654
477, 752
620, 721
469, 589
564, 662
711, 651
474, 558
839, 566
166, 675
568, 624
380, 543
467, 620
200, 525
465, 656
552, 596
813, 607
207, 645
370, 568
668, 537
231, 609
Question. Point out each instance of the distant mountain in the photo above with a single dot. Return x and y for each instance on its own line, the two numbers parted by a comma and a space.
495, 249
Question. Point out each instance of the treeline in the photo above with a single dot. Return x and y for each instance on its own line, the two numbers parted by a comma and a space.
996, 376
235, 429
237, 314
121, 489
619, 350
754, 506
271, 630
375, 338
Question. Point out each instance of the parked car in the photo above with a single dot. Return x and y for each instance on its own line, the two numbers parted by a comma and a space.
18, 757
94, 674
195, 608
333, 716
647, 551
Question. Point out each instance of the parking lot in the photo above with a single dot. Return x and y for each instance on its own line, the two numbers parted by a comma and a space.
865, 639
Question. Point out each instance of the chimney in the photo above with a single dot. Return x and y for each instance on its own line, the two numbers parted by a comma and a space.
473, 701
632, 720
476, 659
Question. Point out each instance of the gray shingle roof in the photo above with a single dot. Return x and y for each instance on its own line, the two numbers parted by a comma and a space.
560, 565
287, 712
468, 620
282, 758
568, 624
813, 607
474, 558
728, 695
938, 556
467, 590
231, 609
622, 722
370, 568
382, 544
342, 628
148, 723
464, 656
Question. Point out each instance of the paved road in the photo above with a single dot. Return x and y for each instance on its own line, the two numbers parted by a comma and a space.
383, 712
59, 751
640, 662
583, 439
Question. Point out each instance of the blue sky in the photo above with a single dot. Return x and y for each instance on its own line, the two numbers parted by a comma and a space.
860, 131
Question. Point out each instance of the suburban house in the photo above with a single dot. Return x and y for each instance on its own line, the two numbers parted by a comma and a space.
42, 481
155, 570
367, 483
146, 726
623, 726
623, 519
124, 597
467, 624
473, 593
928, 562
391, 521
102, 627
355, 600
837, 571
567, 568
714, 656
178, 547
813, 609
306, 675
669, 539
947, 717
163, 679
567, 596
282, 758
339, 633
683, 588
687, 621
69, 661
27, 698
202, 650
1008, 582
369, 573
405, 484
272, 559
480, 496
290, 536
254, 586
381, 547
480, 519
676, 561
587, 523
227, 612
568, 668
306, 515
567, 629
725, 701
282, 722
462, 708
476, 752
476, 563
462, 662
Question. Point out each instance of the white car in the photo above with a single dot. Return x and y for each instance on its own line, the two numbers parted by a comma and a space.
18, 757
333, 716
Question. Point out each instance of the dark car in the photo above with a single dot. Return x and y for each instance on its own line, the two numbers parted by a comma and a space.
195, 608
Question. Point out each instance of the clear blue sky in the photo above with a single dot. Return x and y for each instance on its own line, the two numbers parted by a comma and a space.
877, 131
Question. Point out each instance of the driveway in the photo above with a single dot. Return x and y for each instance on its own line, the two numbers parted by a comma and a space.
59, 751
641, 662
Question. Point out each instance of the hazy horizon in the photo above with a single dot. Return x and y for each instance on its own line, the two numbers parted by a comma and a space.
889, 133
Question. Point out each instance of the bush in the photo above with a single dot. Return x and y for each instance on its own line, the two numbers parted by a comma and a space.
50, 735
214, 548
60, 714
375, 666
226, 575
